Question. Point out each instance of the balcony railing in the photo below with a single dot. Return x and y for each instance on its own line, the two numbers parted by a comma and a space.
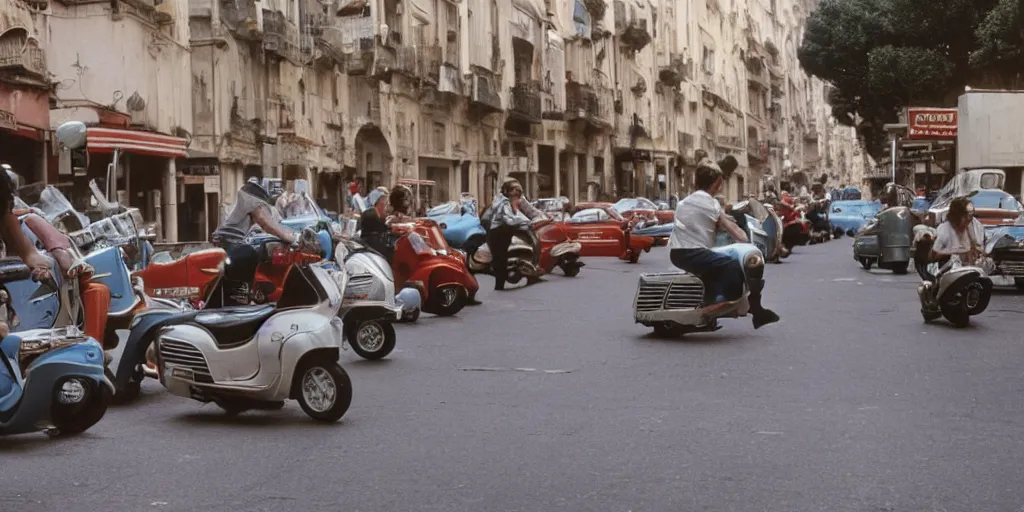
584, 103
757, 149
22, 57
484, 92
525, 102
279, 36
241, 18
810, 135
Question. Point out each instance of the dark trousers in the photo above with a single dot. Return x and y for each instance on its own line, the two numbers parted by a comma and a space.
239, 274
498, 240
715, 269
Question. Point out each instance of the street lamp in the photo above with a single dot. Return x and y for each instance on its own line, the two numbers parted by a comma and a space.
894, 130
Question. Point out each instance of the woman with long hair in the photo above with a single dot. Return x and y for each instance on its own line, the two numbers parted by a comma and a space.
958, 235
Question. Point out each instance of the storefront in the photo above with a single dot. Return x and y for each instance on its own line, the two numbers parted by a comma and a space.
24, 123
145, 175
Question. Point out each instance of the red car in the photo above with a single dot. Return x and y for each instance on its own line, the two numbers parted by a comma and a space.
601, 231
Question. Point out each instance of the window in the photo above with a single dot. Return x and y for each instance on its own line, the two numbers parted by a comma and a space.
708, 61
302, 95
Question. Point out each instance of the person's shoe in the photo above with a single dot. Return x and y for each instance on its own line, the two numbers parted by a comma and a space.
471, 301
764, 318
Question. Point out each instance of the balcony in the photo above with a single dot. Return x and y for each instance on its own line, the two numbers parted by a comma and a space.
676, 71
757, 150
584, 104
730, 142
279, 35
635, 36
525, 103
23, 57
484, 95
811, 134
241, 17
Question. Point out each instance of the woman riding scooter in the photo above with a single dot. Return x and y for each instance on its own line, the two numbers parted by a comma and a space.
959, 235
508, 216
252, 206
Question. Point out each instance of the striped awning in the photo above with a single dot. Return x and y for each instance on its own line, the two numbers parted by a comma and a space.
106, 140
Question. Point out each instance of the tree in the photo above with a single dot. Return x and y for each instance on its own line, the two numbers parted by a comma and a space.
883, 55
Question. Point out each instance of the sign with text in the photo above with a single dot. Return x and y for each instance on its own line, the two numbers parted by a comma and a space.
931, 123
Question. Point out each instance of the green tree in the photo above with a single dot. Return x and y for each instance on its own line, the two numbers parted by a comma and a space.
883, 55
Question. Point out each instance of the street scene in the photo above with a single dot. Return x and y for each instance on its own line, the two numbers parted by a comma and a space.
511, 255
542, 399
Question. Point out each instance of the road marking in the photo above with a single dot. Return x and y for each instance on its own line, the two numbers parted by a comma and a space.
766, 433
527, 370
844, 279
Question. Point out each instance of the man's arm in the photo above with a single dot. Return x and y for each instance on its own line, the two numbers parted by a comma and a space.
263, 217
725, 222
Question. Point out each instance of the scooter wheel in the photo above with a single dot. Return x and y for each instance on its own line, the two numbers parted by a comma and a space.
570, 269
412, 316
69, 420
371, 340
325, 391
634, 257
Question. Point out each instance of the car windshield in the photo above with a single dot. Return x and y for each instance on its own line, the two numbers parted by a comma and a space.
443, 209
589, 215
639, 203
994, 199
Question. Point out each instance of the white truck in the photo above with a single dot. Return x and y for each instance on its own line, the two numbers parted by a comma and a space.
990, 134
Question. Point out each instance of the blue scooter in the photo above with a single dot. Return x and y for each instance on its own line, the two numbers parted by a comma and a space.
68, 392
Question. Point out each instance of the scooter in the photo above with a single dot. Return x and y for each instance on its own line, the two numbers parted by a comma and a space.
958, 293
523, 261
68, 392
369, 306
674, 303
256, 357
423, 260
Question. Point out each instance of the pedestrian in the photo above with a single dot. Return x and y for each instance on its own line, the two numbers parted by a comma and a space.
372, 228
698, 218
400, 200
502, 220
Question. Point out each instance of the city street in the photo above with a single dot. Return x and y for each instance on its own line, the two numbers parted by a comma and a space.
551, 398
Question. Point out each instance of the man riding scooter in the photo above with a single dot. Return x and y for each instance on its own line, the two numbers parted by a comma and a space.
252, 206
698, 218
509, 216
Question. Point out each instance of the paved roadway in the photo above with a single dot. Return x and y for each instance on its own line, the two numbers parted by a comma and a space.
849, 404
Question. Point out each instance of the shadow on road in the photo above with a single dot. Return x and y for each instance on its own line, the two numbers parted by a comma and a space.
214, 417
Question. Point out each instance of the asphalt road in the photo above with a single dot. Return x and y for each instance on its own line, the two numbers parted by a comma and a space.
551, 398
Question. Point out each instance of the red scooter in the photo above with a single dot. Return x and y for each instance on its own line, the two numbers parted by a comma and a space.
423, 260
795, 229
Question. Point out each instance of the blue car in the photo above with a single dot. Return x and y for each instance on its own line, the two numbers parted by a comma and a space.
850, 216
460, 225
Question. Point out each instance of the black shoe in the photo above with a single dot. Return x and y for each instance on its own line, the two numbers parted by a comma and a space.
471, 301
764, 318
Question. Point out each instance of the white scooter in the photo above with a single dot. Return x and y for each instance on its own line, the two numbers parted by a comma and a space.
957, 293
255, 357
673, 303
370, 305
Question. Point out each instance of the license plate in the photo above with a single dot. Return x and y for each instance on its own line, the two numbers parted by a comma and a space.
183, 373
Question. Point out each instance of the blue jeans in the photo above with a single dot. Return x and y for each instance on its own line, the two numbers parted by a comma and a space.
719, 271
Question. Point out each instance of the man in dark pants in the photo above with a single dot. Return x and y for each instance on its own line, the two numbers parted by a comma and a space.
252, 206
502, 222
698, 218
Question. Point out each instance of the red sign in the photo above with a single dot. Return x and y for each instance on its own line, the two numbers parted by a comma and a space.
931, 123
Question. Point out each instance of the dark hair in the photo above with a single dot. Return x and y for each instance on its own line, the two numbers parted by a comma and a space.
706, 176
6, 193
508, 185
400, 199
728, 165
957, 210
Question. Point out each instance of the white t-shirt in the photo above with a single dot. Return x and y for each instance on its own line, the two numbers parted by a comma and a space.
947, 240
696, 222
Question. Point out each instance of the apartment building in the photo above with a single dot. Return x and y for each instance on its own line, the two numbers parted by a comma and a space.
590, 99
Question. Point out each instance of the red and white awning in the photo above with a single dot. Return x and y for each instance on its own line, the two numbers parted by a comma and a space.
106, 140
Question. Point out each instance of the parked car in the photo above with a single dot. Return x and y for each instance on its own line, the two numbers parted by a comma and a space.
644, 208
851, 216
603, 232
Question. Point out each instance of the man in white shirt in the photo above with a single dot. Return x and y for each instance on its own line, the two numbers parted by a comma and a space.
698, 218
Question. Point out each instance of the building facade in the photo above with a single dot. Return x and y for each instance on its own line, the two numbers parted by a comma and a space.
589, 99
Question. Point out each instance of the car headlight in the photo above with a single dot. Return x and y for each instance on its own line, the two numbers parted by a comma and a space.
753, 260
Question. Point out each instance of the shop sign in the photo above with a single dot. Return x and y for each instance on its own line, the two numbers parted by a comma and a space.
8, 121
932, 123
211, 184
193, 180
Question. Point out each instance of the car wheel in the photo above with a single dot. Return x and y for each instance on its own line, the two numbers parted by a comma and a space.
866, 263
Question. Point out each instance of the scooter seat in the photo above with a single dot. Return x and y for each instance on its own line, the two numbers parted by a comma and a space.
234, 325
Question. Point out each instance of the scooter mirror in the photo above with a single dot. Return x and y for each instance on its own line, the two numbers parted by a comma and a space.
72, 134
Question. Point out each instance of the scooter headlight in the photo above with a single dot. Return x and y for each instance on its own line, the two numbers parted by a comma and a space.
71, 392
753, 260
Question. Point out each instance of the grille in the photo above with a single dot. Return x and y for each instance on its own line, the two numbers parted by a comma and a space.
651, 296
1012, 268
184, 355
685, 296
358, 285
